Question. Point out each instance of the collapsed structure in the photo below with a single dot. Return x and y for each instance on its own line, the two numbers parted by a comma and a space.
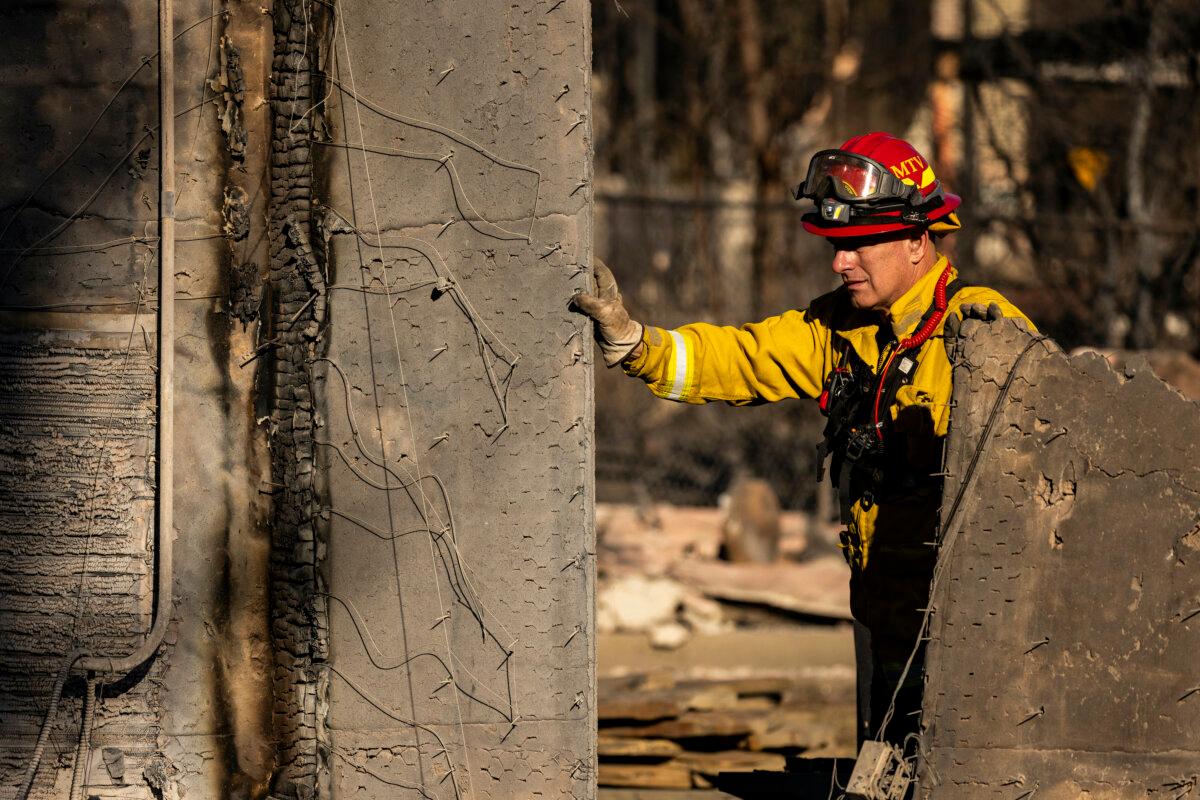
382, 578
1065, 619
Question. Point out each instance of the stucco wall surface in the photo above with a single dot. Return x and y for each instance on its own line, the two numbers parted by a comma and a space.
1066, 622
456, 423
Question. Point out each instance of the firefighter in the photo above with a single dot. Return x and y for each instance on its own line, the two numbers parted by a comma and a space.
871, 353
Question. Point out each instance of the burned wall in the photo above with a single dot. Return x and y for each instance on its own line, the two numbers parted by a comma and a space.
78, 296
1062, 652
298, 301
455, 430
383, 494
76, 522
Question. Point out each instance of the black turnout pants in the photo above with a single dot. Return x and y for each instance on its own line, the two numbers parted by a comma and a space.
878, 670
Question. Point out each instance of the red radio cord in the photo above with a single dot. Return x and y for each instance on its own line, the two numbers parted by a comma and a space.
916, 340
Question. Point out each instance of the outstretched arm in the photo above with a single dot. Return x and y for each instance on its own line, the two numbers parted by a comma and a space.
786, 356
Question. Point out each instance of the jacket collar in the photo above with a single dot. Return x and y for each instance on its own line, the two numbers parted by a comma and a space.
906, 313
903, 317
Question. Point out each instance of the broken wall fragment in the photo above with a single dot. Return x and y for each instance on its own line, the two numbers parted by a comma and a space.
1065, 629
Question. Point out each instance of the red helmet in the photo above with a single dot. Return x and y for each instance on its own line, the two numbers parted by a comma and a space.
872, 184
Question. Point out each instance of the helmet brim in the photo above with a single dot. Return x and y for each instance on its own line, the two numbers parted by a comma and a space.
813, 223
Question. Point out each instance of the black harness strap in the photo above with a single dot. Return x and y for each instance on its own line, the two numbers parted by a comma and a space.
859, 452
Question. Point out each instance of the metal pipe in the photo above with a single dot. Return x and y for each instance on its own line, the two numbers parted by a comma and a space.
39, 749
79, 769
164, 461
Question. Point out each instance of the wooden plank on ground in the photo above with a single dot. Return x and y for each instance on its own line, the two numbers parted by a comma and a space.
830, 726
819, 587
804, 729
732, 761
649, 705
652, 776
688, 769
614, 747
691, 725
613, 793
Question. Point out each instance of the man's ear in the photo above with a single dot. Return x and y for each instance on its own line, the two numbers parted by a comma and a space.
918, 247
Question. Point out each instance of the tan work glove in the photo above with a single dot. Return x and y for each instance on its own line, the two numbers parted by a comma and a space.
989, 313
617, 334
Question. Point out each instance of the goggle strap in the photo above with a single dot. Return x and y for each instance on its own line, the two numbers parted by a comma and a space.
897, 189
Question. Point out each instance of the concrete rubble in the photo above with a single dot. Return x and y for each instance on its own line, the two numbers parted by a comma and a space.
1064, 632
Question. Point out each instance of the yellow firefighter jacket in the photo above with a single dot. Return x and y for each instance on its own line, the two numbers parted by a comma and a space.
790, 356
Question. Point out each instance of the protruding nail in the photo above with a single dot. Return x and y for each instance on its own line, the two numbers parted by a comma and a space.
1040, 711
578, 630
1037, 644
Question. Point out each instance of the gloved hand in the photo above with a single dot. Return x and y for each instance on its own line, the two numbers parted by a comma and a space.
617, 334
989, 313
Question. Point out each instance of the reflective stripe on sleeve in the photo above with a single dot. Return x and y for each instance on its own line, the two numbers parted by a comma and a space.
680, 375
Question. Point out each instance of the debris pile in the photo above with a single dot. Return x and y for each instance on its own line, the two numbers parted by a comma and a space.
656, 732
660, 573
759, 668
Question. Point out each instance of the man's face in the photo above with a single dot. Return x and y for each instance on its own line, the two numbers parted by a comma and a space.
876, 270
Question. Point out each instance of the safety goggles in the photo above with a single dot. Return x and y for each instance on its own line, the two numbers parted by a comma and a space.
855, 179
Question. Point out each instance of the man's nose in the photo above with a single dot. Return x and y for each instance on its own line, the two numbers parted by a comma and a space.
843, 261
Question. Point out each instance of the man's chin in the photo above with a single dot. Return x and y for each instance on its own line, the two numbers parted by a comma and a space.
860, 301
